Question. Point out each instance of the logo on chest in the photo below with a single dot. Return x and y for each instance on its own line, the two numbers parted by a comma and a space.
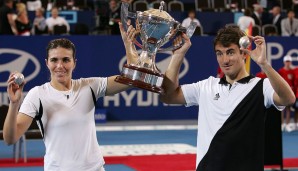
216, 97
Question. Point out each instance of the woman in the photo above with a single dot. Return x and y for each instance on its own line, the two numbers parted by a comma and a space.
22, 22
64, 109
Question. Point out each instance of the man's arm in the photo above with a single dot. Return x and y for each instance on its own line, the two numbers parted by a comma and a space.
172, 91
283, 95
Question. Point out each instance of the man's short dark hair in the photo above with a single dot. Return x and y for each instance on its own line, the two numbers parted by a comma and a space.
228, 35
290, 10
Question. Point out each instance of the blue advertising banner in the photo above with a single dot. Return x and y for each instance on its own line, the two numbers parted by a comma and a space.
104, 56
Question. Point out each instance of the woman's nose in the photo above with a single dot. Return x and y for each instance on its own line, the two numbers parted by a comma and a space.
59, 63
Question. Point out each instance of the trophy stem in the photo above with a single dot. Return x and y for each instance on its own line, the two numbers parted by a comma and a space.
147, 60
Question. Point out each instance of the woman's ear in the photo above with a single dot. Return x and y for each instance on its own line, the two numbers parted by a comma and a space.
75, 63
46, 62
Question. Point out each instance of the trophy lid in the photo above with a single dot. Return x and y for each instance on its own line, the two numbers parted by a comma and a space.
158, 13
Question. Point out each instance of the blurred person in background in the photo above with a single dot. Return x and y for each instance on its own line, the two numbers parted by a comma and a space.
191, 18
55, 19
276, 18
258, 14
295, 70
219, 73
114, 17
261, 74
22, 22
7, 17
39, 23
286, 72
245, 20
289, 25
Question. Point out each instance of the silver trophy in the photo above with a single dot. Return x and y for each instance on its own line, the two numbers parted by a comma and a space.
156, 28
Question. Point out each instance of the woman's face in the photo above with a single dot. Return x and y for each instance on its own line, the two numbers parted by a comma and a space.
61, 64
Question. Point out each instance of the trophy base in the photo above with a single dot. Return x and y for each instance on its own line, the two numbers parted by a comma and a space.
142, 78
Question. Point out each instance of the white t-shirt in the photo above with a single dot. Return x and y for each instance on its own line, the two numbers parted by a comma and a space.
244, 22
186, 22
68, 124
216, 103
56, 21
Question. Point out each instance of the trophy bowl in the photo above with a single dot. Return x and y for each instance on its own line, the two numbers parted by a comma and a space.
156, 27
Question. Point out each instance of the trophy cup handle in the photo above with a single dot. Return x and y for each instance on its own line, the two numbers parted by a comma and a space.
125, 14
191, 29
189, 32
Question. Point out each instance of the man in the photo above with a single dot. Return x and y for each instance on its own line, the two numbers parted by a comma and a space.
191, 18
114, 17
56, 20
232, 108
257, 14
39, 23
287, 73
295, 106
276, 18
289, 25
7, 24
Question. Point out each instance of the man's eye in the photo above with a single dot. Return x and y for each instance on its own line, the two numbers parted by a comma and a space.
218, 54
230, 53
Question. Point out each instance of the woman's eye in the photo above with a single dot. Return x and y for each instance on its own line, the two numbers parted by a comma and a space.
65, 60
53, 60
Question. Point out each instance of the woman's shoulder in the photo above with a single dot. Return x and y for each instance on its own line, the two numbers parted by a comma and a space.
41, 87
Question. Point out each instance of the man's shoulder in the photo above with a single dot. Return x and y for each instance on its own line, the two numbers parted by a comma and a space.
210, 81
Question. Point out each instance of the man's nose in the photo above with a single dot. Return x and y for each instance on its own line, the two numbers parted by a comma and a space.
226, 58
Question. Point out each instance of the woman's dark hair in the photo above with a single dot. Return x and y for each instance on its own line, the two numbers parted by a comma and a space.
248, 12
64, 43
228, 35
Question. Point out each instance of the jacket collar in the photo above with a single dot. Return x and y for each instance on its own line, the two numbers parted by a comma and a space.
244, 80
